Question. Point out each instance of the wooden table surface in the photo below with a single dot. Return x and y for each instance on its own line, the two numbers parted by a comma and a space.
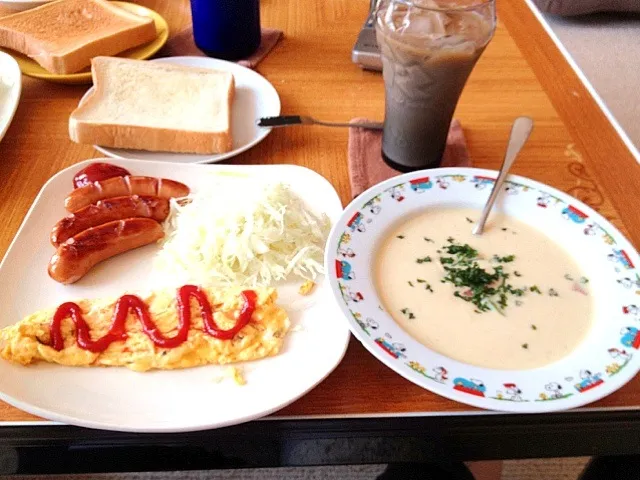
572, 148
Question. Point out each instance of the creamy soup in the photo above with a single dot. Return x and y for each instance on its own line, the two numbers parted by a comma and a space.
509, 299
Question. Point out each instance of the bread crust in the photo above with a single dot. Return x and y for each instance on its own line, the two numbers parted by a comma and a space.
150, 139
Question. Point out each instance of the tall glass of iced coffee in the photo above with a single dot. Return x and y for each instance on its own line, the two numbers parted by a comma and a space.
429, 48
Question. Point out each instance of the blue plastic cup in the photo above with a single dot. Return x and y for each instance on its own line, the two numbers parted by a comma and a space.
227, 29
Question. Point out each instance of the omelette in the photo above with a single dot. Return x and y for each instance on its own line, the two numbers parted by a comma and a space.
32, 339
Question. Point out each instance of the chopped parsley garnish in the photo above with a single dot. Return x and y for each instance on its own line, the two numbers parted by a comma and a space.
426, 259
525, 346
535, 289
517, 273
568, 277
464, 252
421, 280
533, 327
584, 280
485, 289
468, 220
427, 239
408, 313
507, 259
451, 240
410, 283
553, 292
428, 287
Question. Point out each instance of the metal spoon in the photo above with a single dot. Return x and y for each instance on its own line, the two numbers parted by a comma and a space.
520, 132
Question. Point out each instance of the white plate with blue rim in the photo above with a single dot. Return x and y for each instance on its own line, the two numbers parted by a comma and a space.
10, 89
507, 344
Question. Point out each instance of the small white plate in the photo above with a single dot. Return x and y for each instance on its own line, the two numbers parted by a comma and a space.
20, 5
162, 401
255, 98
10, 88
607, 358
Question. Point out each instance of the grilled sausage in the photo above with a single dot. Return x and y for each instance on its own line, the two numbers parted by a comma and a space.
96, 172
75, 257
109, 210
123, 186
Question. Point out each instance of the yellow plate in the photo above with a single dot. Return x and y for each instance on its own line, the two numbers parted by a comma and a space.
31, 68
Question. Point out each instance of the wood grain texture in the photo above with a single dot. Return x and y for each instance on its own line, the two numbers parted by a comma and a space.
572, 148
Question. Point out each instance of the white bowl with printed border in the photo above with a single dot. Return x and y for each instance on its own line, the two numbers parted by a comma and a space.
607, 358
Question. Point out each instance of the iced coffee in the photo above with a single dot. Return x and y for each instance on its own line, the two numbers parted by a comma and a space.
429, 48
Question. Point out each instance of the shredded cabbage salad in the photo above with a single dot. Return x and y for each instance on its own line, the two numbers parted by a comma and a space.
242, 232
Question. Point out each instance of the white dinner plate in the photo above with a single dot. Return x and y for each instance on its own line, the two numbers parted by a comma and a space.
10, 88
162, 401
605, 360
254, 98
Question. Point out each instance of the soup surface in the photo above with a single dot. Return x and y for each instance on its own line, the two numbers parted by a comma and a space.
509, 299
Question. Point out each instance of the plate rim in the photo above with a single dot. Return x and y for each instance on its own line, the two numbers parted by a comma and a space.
479, 402
49, 415
108, 151
79, 78
17, 88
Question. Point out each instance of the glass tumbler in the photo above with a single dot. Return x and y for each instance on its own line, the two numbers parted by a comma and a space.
428, 48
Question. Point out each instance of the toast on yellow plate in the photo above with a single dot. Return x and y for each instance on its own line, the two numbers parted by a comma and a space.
63, 36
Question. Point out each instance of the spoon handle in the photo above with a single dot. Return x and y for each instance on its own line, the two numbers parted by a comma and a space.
520, 132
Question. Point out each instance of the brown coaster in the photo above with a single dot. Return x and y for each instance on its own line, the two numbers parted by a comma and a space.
366, 167
183, 44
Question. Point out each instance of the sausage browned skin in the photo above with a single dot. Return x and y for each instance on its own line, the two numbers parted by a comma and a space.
75, 257
123, 186
109, 210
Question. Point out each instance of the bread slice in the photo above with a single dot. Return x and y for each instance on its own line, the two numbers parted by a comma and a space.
155, 106
63, 36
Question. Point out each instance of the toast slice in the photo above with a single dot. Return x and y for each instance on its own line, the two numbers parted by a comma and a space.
63, 36
155, 106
